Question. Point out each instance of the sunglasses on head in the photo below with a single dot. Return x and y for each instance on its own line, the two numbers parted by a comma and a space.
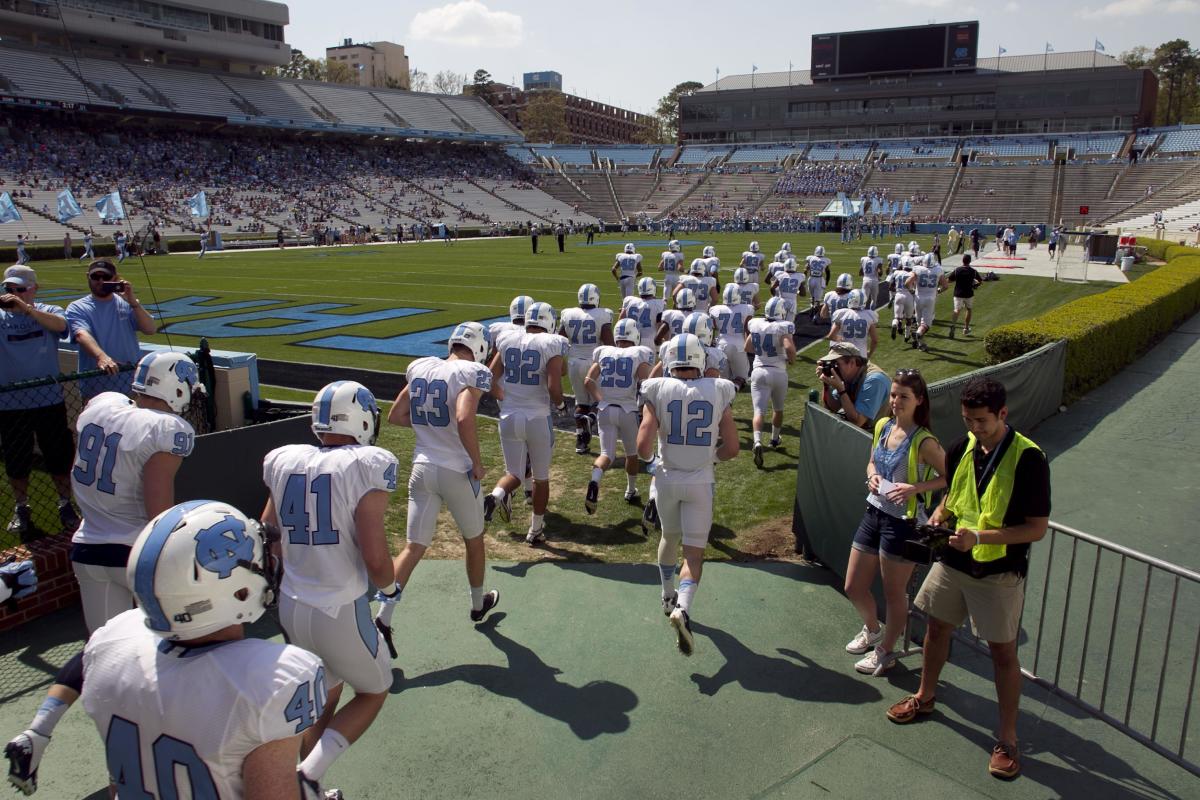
906, 373
8, 287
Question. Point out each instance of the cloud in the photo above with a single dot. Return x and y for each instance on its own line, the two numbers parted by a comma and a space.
1134, 8
927, 3
1010, 7
469, 23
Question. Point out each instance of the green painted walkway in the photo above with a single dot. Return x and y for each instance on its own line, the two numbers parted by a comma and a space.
573, 689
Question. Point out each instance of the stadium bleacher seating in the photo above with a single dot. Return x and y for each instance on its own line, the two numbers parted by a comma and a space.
901, 150
698, 156
574, 156
763, 155
838, 151
635, 156
1181, 140
991, 147
1093, 145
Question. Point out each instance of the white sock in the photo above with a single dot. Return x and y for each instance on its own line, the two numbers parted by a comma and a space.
331, 745
387, 609
758, 437
498, 493
476, 598
775, 431
687, 588
631, 482
597, 474
536, 522
47, 716
666, 574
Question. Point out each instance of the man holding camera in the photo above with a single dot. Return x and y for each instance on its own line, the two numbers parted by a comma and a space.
997, 503
105, 325
854, 387
29, 334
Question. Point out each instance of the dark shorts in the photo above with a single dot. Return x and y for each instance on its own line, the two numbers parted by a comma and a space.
49, 424
882, 532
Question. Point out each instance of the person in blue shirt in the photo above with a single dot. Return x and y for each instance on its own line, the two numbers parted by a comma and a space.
29, 335
854, 387
105, 325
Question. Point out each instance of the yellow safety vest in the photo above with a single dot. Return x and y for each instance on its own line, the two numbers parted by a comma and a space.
987, 512
913, 452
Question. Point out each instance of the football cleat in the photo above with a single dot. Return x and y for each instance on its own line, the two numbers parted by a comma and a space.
683, 631
24, 753
775, 442
668, 603
592, 497
536, 535
490, 601
632, 497
386, 632
758, 454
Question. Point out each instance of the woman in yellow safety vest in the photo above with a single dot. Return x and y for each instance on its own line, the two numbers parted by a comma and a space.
904, 453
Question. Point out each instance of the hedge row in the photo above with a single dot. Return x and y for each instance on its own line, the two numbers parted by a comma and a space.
1105, 332
1165, 250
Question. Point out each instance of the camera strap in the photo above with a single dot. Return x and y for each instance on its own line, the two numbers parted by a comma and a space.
982, 478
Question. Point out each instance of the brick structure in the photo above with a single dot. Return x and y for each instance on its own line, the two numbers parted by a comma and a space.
57, 587
589, 121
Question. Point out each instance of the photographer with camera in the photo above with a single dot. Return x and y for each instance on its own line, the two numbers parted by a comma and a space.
854, 387
29, 336
903, 454
998, 503
105, 325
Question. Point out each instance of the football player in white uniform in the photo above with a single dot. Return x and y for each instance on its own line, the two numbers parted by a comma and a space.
904, 302
789, 286
586, 328
670, 266
690, 419
746, 287
613, 381
753, 261
817, 269
672, 318
838, 297
328, 500
784, 253
627, 268
730, 321
516, 315
645, 310
528, 369
928, 280
439, 402
770, 340
870, 267
856, 324
185, 704
712, 264
702, 285
700, 325
124, 475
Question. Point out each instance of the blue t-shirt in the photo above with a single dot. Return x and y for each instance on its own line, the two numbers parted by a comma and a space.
872, 394
114, 327
27, 350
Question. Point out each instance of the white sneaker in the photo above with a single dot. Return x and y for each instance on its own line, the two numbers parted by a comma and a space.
876, 662
536, 535
865, 641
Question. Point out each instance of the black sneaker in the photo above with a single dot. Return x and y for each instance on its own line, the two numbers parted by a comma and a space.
22, 521
68, 517
490, 601
582, 439
683, 630
775, 442
649, 516
592, 497
632, 497
669, 602
489, 507
758, 454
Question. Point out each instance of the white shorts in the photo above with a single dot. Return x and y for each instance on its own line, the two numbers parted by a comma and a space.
531, 436
925, 309
739, 362
870, 290
685, 509
963, 302
577, 370
104, 592
429, 488
627, 285
669, 281
618, 424
768, 387
348, 642
904, 307
816, 289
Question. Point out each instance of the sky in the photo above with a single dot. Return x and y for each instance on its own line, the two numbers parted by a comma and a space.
630, 54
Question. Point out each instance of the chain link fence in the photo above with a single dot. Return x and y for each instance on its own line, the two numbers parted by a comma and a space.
38, 447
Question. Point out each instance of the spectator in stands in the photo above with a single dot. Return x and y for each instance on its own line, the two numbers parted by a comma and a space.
854, 388
29, 349
105, 325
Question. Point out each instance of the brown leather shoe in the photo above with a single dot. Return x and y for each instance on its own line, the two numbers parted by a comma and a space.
909, 709
1005, 762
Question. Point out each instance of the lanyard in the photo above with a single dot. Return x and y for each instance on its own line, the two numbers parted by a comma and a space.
982, 478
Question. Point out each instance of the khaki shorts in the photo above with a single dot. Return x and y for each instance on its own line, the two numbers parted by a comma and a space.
963, 302
993, 602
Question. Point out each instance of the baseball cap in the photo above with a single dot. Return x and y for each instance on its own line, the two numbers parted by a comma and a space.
20, 275
101, 264
841, 350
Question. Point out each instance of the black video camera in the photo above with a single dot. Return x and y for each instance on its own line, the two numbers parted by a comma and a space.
828, 368
931, 541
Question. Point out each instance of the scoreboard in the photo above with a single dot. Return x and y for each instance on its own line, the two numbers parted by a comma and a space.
921, 48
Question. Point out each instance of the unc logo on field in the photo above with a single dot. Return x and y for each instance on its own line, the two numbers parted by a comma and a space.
221, 547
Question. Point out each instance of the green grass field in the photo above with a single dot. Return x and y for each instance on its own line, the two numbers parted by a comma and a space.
475, 279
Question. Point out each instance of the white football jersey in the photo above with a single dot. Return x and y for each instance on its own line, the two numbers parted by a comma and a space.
316, 491
870, 268
928, 279
748, 292
582, 327
787, 284
774, 268
645, 312
816, 266
116, 439
628, 264
671, 262
434, 385
525, 358
730, 322
714, 357
618, 374
703, 289
689, 418
783, 255
673, 318
752, 262
894, 260
712, 266
163, 709
855, 325
834, 301
498, 329
900, 281
767, 338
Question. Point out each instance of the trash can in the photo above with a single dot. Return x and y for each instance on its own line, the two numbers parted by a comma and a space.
1126, 263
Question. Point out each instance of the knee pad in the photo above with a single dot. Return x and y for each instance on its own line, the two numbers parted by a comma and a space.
71, 674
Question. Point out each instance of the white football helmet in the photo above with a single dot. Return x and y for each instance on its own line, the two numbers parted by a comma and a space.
741, 275
899, 248
472, 336
819, 251
698, 267
517, 308
629, 248
855, 300
171, 377
776, 309
787, 247
647, 287
202, 566
754, 247
789, 265
685, 300
627, 331
589, 296
346, 407
930, 261
685, 351
913, 247
844, 281
730, 295
540, 315
710, 251
699, 325
872, 252
673, 245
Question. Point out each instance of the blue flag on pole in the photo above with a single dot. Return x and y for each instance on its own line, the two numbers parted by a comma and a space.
895, 209
198, 204
68, 209
8, 211
110, 206
907, 208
